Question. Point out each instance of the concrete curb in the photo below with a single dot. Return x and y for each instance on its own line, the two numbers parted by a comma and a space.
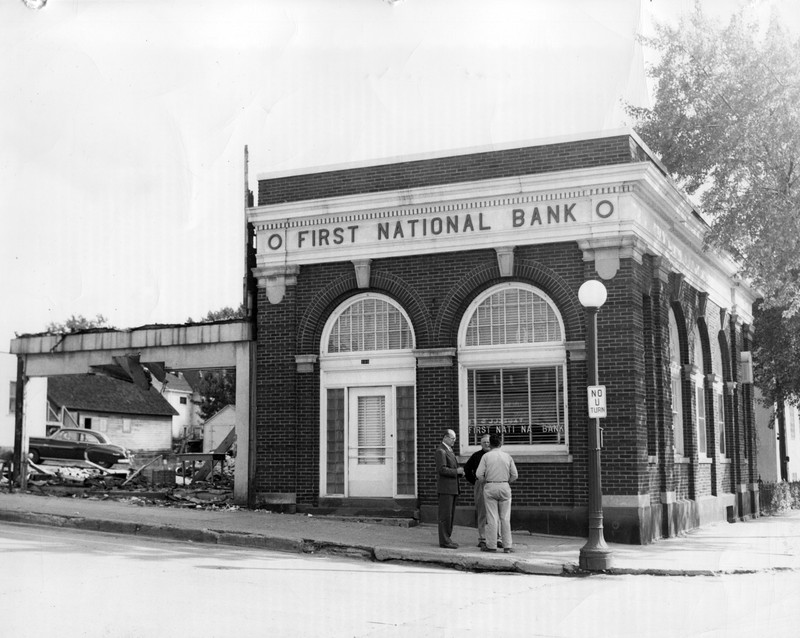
459, 561
289, 545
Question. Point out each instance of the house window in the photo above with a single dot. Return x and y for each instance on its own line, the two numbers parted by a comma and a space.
126, 425
183, 400
676, 384
12, 397
512, 373
87, 423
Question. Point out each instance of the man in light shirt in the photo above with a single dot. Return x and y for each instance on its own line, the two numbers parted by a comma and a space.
498, 470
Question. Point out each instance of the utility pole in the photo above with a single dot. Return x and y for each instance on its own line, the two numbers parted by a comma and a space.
20, 439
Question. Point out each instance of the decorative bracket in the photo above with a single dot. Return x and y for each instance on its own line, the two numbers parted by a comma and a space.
677, 280
505, 260
363, 270
606, 253
275, 279
305, 362
702, 303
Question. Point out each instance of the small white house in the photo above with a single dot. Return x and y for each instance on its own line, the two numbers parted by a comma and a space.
138, 420
769, 443
218, 427
180, 395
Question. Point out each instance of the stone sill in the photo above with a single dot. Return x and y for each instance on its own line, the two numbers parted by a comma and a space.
533, 458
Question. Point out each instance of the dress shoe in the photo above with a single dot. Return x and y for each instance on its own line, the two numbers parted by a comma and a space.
500, 544
481, 543
508, 550
487, 549
449, 545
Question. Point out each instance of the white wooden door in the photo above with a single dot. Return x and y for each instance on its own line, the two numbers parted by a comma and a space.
371, 446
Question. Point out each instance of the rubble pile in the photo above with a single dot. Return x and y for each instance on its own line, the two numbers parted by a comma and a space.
158, 482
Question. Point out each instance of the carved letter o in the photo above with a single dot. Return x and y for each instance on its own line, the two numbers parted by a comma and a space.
607, 206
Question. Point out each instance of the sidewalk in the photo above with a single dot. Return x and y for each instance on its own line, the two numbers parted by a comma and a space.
767, 543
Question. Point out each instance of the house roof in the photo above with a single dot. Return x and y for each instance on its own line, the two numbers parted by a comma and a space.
219, 413
98, 393
177, 383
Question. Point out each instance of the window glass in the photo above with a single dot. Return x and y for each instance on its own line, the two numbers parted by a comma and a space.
719, 411
676, 384
513, 361
525, 405
700, 394
370, 324
513, 316
701, 419
12, 397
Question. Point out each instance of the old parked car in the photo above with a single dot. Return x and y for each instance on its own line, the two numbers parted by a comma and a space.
74, 444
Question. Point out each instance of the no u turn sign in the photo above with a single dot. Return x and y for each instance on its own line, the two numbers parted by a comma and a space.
597, 401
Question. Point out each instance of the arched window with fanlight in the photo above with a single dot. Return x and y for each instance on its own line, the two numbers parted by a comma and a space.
368, 400
512, 371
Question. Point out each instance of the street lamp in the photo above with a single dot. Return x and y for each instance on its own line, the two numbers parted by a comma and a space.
595, 555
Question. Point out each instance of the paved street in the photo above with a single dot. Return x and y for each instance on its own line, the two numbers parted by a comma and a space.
770, 543
89, 584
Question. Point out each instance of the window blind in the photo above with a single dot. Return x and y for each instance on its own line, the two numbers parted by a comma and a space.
371, 430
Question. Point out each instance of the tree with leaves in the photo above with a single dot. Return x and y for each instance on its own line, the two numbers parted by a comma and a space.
776, 367
223, 314
776, 354
217, 388
77, 324
726, 121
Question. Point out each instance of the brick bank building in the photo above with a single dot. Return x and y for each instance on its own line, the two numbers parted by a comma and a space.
395, 300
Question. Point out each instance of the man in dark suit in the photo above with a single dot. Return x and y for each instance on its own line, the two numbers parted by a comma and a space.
470, 468
447, 486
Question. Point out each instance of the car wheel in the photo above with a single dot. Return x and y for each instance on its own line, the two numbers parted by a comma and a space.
33, 455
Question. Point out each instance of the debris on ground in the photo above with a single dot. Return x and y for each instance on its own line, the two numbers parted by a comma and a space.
158, 482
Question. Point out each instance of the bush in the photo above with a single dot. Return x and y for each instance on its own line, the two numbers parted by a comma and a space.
775, 498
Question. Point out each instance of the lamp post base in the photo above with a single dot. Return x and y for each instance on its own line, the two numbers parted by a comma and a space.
595, 559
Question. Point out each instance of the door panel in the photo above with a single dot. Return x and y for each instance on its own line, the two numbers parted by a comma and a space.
371, 448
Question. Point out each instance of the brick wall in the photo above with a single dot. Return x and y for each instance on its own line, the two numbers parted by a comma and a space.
448, 170
436, 290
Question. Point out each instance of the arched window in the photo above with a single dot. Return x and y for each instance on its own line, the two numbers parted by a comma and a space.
512, 367
698, 381
675, 376
368, 400
368, 324
718, 363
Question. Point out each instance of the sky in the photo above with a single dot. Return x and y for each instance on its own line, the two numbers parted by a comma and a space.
123, 122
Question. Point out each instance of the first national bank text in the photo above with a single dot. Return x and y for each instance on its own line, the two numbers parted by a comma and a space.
424, 227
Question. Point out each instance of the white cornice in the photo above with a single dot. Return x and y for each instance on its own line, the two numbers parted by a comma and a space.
546, 187
649, 210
